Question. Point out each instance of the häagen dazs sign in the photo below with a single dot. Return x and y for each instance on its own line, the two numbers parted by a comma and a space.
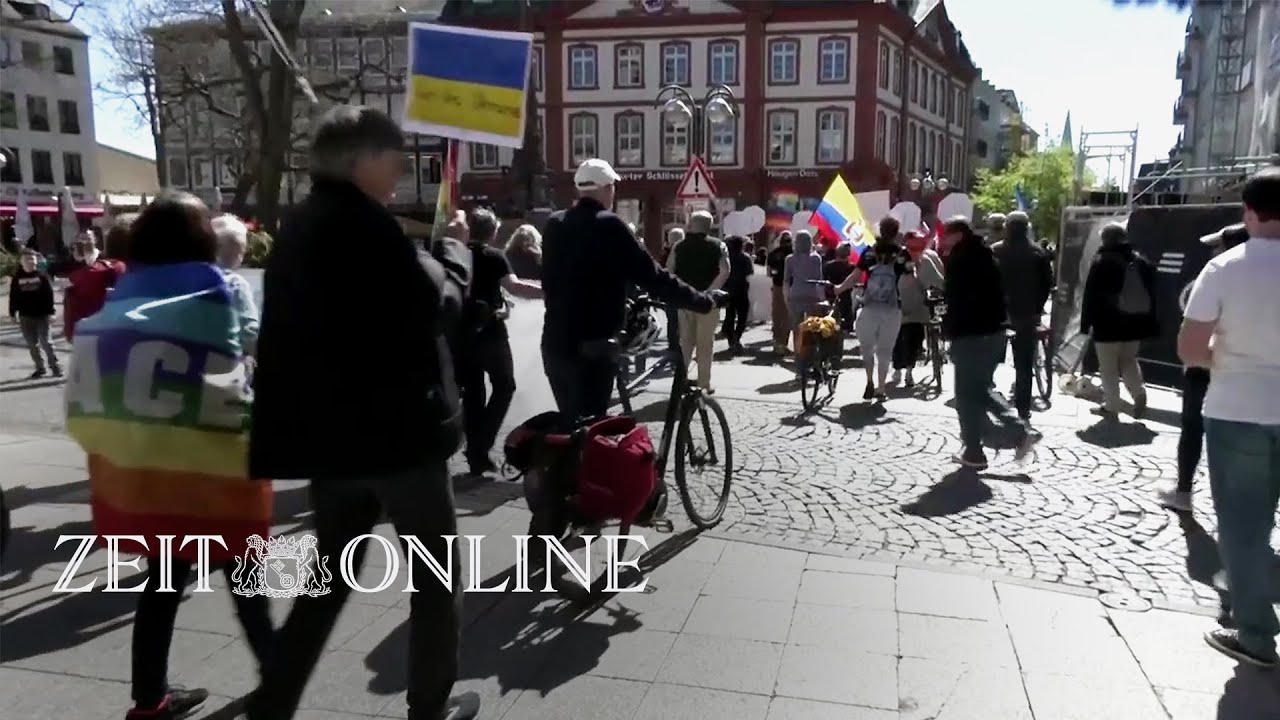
789, 174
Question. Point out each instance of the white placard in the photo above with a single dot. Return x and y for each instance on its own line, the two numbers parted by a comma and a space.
953, 205
908, 215
875, 206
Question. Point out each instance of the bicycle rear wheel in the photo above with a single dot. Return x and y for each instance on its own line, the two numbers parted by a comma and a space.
1043, 369
810, 384
704, 472
935, 357
832, 376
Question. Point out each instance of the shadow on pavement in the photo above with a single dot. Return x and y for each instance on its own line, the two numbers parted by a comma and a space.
514, 638
1112, 433
958, 491
1252, 694
1203, 561
856, 416
652, 413
780, 388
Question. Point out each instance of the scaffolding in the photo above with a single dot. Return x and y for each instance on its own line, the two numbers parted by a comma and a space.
1225, 113
1112, 146
1216, 184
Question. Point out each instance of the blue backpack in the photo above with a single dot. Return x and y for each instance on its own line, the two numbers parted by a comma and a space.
882, 286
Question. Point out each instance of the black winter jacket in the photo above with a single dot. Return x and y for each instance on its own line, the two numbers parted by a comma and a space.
327, 403
973, 291
1028, 280
1099, 315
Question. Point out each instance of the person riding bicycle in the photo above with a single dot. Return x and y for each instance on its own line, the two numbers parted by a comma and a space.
1027, 276
589, 259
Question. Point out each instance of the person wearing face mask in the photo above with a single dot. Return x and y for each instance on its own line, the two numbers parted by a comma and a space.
90, 276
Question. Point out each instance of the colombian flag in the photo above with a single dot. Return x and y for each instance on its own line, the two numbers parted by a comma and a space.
839, 218
467, 83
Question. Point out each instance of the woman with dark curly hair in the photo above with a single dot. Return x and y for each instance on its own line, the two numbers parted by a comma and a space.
158, 403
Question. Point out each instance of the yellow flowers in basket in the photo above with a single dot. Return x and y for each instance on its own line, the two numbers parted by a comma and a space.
823, 327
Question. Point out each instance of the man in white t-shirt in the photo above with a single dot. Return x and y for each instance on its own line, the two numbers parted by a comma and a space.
1232, 327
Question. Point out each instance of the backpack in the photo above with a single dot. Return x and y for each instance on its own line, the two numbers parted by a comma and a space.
1133, 298
882, 286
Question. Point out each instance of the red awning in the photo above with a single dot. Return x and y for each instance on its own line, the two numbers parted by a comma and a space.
12, 210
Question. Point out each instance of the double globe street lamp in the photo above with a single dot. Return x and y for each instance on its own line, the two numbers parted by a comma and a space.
682, 112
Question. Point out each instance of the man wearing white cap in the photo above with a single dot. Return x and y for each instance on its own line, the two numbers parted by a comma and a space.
590, 258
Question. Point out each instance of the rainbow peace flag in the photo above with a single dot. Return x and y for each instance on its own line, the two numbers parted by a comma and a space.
467, 83
839, 218
156, 398
447, 196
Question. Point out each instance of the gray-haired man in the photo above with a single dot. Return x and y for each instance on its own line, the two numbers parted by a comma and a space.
702, 262
373, 433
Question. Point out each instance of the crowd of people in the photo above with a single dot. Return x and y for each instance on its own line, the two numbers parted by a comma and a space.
444, 305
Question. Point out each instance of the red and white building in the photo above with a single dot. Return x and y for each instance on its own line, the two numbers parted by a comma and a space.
876, 91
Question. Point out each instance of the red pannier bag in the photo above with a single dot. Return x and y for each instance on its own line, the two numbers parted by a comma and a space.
616, 470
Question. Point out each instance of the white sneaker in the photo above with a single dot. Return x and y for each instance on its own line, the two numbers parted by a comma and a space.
1174, 500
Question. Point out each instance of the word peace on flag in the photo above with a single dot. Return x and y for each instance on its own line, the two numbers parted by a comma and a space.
468, 84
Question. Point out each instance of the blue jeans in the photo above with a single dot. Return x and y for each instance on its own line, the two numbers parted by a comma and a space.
1244, 475
976, 358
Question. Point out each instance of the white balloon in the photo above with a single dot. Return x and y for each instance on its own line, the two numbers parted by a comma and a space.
755, 216
953, 205
800, 220
907, 214
735, 223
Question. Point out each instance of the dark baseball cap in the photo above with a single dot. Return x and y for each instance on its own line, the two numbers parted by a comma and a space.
1228, 237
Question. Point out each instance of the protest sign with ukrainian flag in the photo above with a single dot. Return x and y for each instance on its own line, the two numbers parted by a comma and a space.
468, 84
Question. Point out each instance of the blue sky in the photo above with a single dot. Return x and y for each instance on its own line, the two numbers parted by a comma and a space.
1058, 55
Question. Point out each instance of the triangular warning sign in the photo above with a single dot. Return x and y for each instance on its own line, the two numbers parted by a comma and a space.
697, 182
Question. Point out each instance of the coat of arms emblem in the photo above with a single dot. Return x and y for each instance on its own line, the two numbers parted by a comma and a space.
286, 567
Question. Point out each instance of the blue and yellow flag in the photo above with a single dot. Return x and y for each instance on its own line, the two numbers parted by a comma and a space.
468, 84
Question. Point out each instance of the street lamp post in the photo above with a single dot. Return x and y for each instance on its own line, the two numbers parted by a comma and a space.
681, 110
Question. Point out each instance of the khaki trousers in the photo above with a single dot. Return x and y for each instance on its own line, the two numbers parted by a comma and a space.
698, 339
781, 320
1116, 361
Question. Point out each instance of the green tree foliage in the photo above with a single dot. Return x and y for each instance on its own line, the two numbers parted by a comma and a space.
1046, 177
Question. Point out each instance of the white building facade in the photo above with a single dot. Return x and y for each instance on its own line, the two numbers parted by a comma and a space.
46, 110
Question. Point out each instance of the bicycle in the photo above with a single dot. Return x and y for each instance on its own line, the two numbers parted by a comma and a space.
1041, 363
548, 493
626, 385
819, 365
935, 344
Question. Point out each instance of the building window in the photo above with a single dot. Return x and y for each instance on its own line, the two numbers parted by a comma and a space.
675, 144
8, 110
582, 68
399, 55
782, 137
628, 61
784, 62
484, 156
832, 135
897, 73
833, 60
911, 147
41, 167
957, 161
984, 110
922, 145
37, 113
895, 136
881, 134
429, 169
582, 137
915, 82
724, 142
931, 155
32, 54
201, 172
375, 52
675, 63
12, 171
960, 107
943, 157
535, 62
722, 62
924, 86
980, 147
933, 93
177, 172
884, 65
320, 52
64, 62
68, 117
72, 170
628, 137
348, 54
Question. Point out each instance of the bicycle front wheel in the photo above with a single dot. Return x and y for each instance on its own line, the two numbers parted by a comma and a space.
936, 358
624, 398
704, 460
810, 385
1043, 370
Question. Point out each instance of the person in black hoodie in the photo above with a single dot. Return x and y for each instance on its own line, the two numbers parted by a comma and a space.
372, 432
974, 323
31, 304
738, 309
1119, 311
1027, 276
